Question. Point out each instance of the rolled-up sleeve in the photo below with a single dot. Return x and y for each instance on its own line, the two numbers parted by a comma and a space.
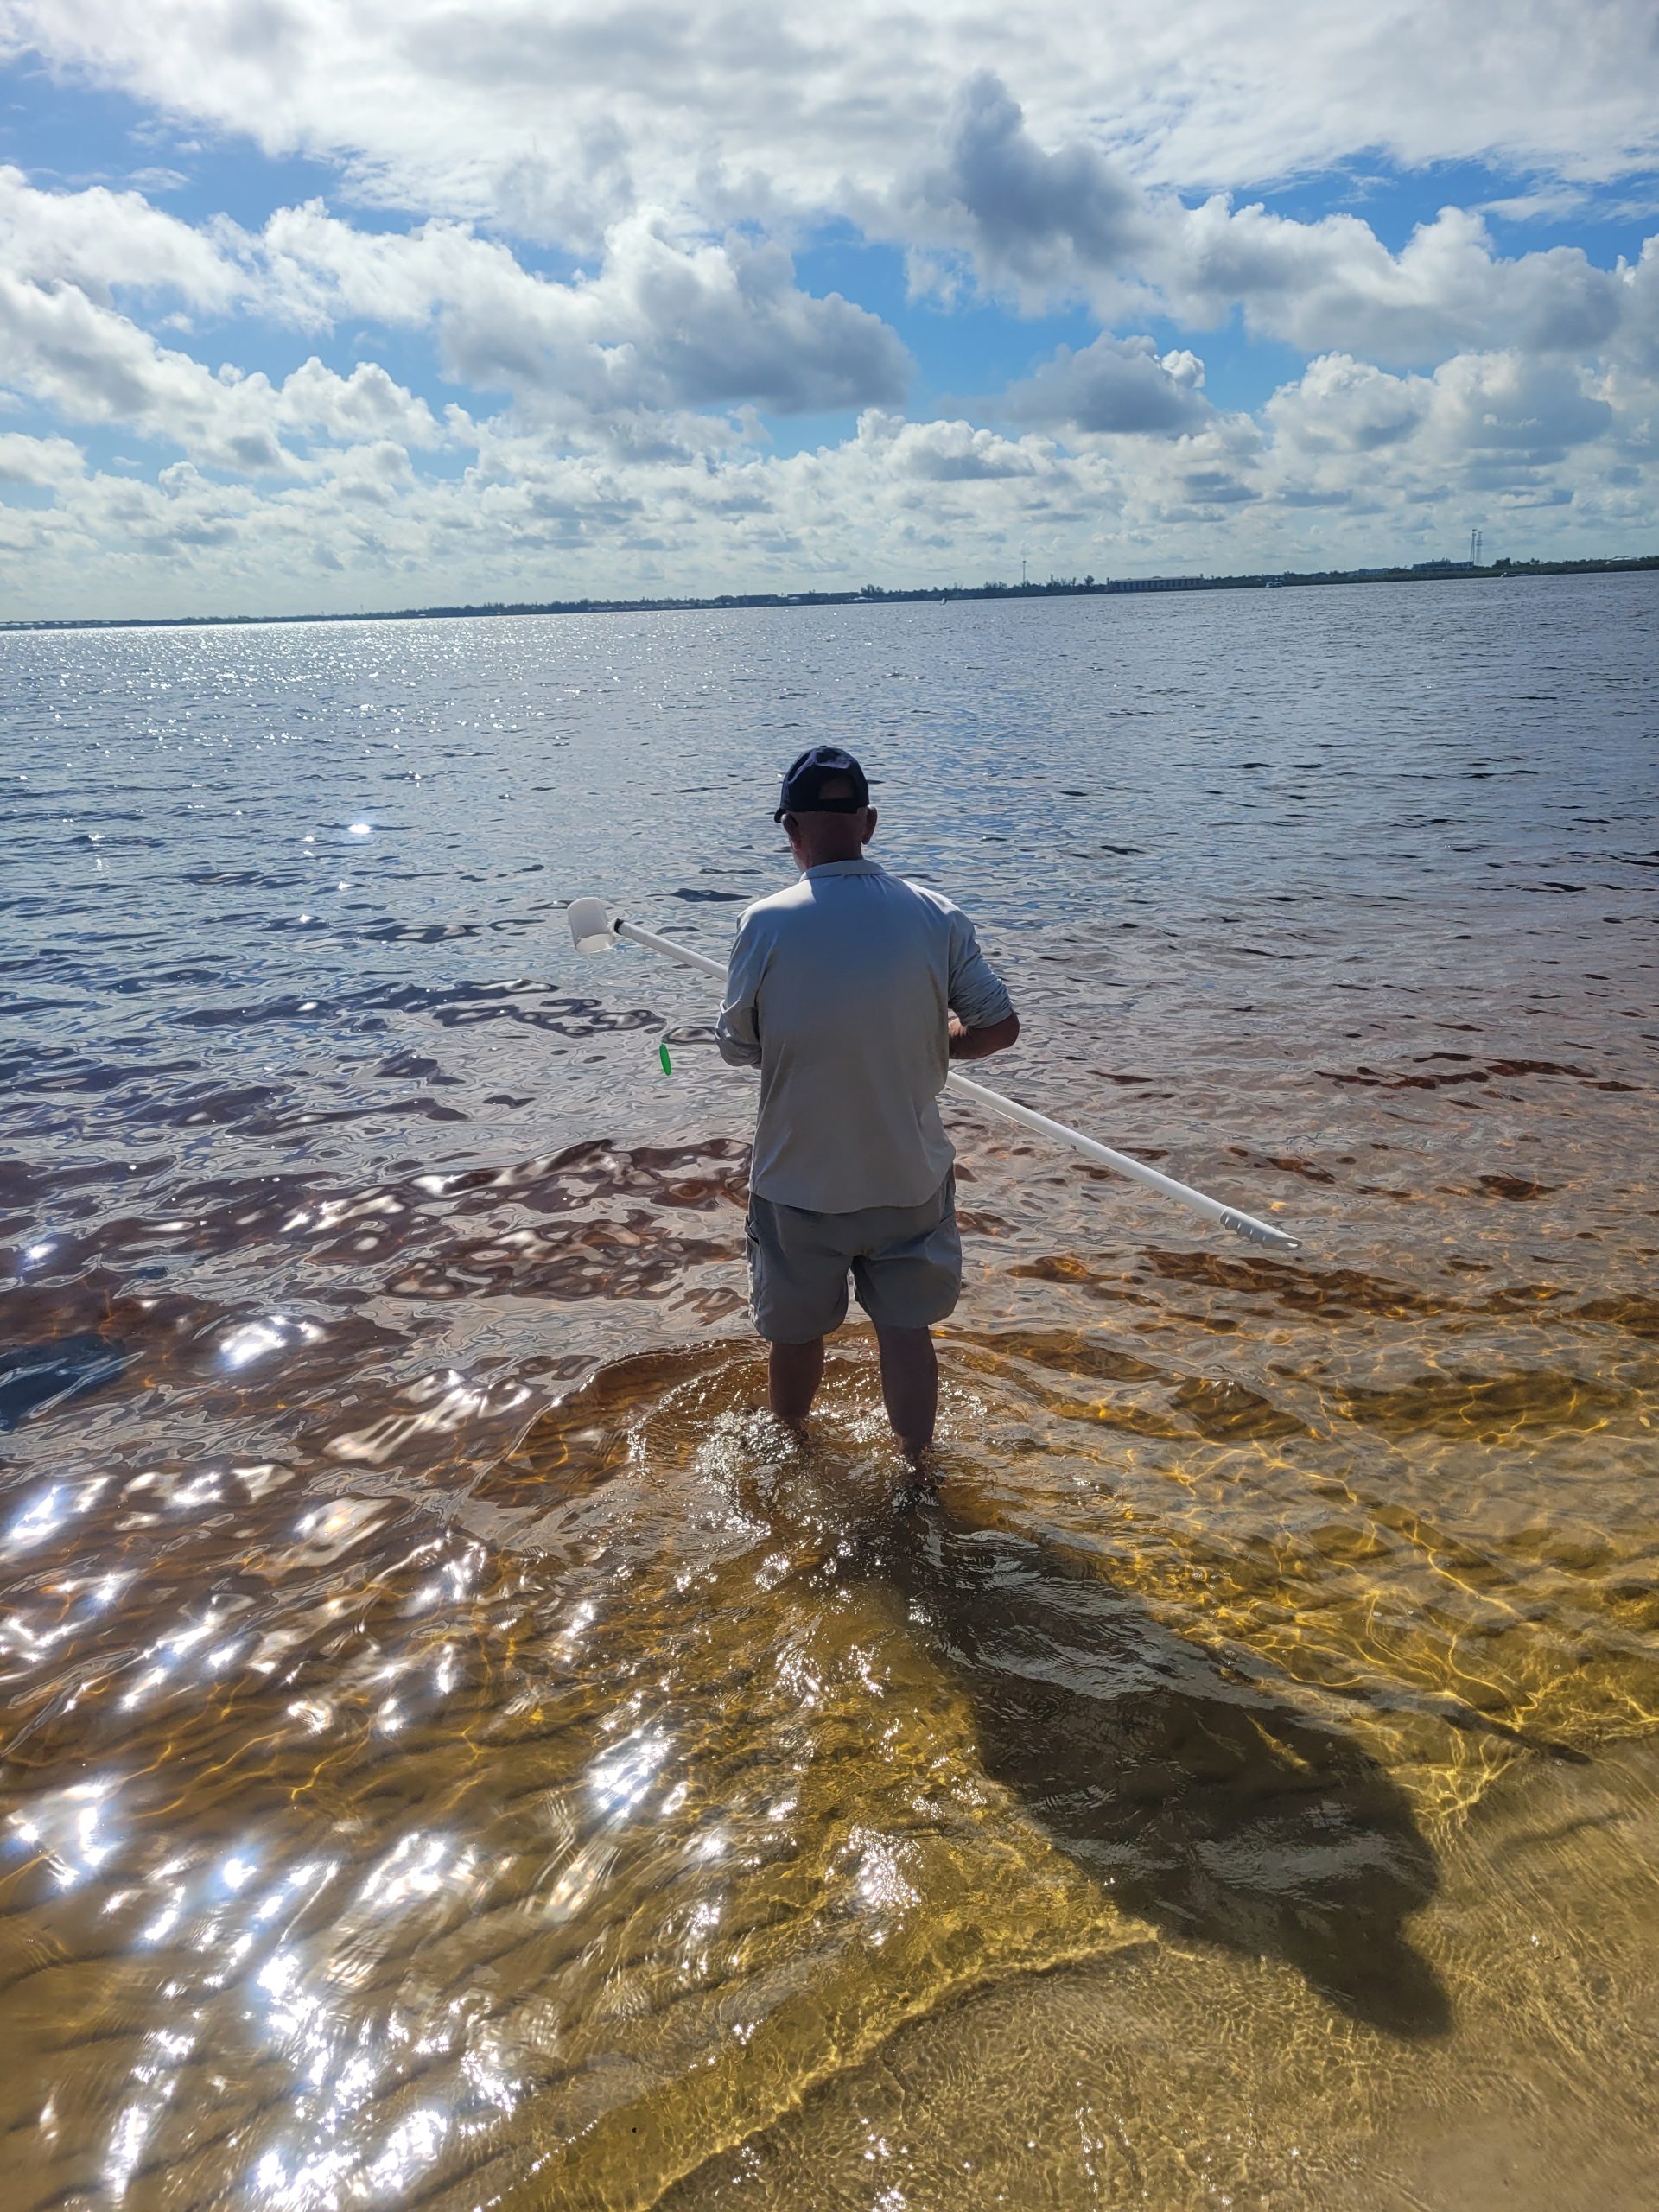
978, 996
737, 1034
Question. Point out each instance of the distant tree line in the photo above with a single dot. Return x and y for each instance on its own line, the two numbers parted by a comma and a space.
884, 595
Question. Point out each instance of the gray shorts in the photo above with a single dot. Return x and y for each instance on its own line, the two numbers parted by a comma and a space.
905, 1263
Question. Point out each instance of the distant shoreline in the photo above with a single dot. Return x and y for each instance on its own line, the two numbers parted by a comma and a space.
878, 596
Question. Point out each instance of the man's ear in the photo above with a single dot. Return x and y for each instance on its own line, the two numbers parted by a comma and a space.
869, 825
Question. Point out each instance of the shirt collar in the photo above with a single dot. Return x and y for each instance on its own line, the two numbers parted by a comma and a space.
845, 867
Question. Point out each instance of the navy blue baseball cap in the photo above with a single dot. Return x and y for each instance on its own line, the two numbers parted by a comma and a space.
807, 774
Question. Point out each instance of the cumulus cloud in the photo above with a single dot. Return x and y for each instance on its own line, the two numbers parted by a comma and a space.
1051, 225
1343, 406
949, 452
1115, 386
367, 406
1334, 282
664, 325
39, 463
665, 322
1496, 431
1029, 217
1473, 406
99, 239
92, 364
1637, 344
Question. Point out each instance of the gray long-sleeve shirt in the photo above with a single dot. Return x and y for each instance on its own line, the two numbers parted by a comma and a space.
839, 991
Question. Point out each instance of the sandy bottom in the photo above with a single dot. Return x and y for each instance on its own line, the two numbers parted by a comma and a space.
1170, 2075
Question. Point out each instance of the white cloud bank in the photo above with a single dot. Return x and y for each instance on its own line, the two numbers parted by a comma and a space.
601, 429
557, 116
1071, 223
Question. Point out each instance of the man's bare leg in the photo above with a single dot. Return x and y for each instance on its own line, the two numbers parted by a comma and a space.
793, 1375
910, 1387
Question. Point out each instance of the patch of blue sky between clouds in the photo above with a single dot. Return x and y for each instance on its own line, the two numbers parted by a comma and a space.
70, 135
964, 351
1524, 213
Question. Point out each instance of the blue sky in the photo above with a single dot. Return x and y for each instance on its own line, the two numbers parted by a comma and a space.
328, 302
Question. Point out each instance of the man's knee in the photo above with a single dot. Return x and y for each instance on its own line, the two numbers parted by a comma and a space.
902, 1340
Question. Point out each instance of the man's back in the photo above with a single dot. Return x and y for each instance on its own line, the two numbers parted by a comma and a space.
840, 990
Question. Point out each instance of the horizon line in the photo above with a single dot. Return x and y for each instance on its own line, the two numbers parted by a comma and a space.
1087, 586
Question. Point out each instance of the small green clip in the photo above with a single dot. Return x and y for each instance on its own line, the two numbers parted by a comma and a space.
662, 1054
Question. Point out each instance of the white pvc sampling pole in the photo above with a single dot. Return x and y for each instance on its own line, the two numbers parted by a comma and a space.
594, 928
1242, 1225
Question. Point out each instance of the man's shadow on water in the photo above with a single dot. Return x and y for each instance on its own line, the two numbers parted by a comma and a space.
1202, 1804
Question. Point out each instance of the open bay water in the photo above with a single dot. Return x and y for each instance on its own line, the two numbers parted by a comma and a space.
458, 1753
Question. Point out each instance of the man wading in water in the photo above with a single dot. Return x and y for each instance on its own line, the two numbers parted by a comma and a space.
850, 992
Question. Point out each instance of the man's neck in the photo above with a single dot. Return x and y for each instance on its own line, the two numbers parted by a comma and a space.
821, 853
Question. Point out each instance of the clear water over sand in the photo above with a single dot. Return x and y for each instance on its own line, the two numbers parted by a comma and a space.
458, 1753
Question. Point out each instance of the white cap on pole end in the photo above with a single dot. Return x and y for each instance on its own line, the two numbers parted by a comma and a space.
592, 925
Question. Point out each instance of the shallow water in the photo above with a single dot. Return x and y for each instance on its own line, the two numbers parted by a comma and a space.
460, 1754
